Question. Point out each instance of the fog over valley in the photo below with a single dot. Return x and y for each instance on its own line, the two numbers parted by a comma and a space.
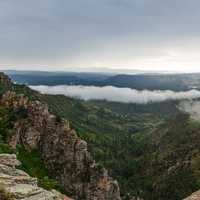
115, 94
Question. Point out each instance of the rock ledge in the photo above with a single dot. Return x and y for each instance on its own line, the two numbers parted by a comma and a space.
19, 185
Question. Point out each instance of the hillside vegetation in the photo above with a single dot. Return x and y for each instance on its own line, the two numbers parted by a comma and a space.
118, 135
152, 150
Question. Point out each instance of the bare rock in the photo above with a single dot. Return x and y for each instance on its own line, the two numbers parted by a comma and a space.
194, 196
9, 160
19, 185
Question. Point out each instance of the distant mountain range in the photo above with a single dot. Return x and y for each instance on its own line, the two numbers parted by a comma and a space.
149, 81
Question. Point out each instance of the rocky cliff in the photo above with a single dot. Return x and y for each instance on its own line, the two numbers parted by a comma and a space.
15, 184
64, 153
5, 80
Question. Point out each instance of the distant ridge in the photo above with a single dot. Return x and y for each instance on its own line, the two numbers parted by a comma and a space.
145, 81
97, 70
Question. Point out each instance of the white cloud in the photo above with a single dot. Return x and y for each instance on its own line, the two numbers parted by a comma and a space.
192, 108
115, 94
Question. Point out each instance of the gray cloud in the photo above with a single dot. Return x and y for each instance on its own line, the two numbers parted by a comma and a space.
115, 94
106, 33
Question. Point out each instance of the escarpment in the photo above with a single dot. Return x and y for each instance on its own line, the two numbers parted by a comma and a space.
65, 155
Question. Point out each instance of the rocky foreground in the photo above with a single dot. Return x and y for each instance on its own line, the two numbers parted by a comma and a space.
15, 184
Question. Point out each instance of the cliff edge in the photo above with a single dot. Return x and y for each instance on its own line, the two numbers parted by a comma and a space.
65, 155
15, 184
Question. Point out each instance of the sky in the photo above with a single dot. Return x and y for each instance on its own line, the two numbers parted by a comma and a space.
161, 35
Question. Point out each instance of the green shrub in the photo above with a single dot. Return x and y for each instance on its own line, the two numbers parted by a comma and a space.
32, 163
4, 148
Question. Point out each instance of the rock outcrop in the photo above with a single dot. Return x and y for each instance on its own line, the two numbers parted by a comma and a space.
194, 196
15, 184
64, 153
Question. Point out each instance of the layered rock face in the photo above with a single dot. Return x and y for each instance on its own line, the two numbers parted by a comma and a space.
63, 152
15, 184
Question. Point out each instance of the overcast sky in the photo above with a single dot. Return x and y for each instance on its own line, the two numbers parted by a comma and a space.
126, 34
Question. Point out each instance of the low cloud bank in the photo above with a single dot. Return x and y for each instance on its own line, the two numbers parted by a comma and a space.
192, 108
115, 94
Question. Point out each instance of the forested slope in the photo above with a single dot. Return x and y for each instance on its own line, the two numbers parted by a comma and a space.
152, 150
